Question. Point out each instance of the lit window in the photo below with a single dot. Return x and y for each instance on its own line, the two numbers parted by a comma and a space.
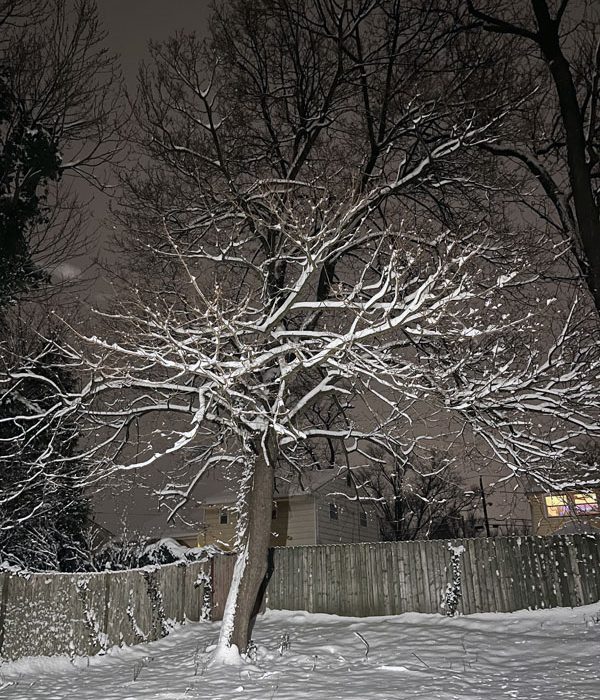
571, 504
223, 517
557, 505
585, 502
363, 519
333, 511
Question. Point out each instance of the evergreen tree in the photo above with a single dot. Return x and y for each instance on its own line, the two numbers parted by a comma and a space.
29, 161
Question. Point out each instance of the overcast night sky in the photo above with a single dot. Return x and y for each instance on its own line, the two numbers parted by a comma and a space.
130, 26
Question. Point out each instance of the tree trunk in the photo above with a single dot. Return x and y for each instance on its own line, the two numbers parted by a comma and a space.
586, 211
251, 564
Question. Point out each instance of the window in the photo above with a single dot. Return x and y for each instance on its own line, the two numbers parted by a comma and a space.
223, 517
563, 504
363, 518
333, 511
557, 505
585, 502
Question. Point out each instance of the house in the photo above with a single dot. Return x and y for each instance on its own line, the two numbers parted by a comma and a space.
565, 511
318, 509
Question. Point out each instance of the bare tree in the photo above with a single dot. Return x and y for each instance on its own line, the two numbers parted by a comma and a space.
299, 173
59, 91
553, 57
44, 511
418, 498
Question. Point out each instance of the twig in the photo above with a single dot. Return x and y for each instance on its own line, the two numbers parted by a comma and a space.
420, 659
364, 641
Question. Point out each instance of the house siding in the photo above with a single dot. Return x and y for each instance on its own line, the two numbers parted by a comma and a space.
347, 527
216, 533
294, 524
279, 524
301, 521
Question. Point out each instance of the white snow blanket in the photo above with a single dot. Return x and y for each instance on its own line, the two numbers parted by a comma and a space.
528, 655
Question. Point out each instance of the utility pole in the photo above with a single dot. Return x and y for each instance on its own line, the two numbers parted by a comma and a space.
484, 504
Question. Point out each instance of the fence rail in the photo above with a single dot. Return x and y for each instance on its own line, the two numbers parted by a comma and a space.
45, 614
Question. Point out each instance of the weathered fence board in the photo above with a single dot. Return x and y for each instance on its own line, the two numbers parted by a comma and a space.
43, 614
52, 613
221, 573
498, 575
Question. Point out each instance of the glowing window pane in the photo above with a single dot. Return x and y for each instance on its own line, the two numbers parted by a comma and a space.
585, 502
557, 505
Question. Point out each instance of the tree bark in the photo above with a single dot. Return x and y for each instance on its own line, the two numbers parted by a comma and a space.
251, 565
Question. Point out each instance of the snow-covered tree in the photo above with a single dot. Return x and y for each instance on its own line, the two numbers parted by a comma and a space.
44, 512
314, 281
59, 89
416, 327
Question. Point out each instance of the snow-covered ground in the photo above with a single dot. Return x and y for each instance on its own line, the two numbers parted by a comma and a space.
545, 654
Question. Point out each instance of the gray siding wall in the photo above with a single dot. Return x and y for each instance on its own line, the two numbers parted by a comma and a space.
347, 528
301, 521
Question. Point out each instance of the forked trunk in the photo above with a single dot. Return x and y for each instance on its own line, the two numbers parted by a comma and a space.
251, 565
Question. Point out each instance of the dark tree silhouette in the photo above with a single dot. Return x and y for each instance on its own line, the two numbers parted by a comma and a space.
44, 512
59, 89
556, 46
417, 498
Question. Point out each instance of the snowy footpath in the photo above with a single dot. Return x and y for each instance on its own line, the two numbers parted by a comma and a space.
545, 654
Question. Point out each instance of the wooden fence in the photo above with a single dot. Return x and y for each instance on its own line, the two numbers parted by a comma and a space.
499, 574
53, 613
44, 614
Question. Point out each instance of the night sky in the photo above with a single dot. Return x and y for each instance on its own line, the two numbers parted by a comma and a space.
131, 24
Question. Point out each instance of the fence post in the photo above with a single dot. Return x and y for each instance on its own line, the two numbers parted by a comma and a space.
3, 604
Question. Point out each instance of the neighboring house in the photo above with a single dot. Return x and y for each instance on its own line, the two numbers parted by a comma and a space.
315, 511
564, 512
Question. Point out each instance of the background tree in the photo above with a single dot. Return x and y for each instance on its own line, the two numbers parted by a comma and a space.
44, 513
418, 498
552, 61
59, 87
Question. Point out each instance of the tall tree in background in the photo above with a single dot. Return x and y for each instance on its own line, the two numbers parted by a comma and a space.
553, 52
58, 92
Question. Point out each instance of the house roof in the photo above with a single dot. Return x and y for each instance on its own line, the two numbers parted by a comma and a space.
293, 487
